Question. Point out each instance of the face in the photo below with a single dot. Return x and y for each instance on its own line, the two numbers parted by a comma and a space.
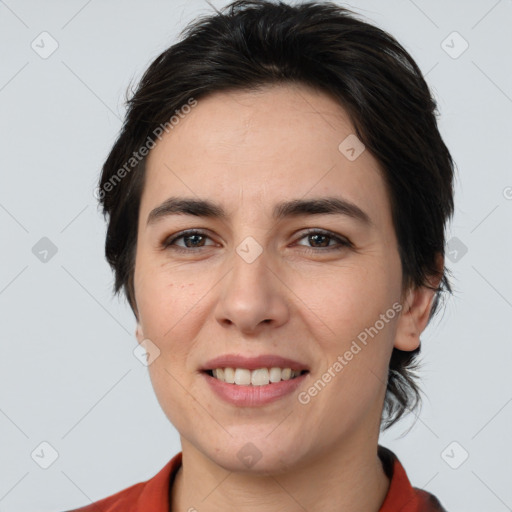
304, 286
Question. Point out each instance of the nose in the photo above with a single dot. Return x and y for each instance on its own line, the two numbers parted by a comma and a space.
252, 295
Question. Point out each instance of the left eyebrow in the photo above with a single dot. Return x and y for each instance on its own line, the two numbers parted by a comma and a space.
293, 208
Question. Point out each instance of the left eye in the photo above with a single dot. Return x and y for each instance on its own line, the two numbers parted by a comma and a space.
316, 236
320, 236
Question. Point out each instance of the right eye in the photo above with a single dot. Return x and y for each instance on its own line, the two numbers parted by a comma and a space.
195, 235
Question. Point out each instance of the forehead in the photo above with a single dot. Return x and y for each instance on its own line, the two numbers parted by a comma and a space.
281, 142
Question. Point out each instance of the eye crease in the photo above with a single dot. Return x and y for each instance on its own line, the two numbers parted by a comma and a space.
342, 243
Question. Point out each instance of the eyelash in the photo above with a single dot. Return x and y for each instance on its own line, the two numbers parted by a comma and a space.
343, 243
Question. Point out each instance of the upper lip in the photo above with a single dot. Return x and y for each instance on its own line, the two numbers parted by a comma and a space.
253, 363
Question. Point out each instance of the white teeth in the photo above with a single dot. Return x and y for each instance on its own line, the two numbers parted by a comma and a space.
259, 377
275, 374
229, 375
286, 374
242, 377
219, 373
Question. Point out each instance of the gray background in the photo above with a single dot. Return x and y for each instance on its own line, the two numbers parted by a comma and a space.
68, 374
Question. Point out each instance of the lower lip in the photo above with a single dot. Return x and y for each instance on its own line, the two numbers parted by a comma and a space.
253, 396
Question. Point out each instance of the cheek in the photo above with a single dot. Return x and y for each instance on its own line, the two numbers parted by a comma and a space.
165, 295
168, 307
168, 314
358, 325
172, 306
346, 300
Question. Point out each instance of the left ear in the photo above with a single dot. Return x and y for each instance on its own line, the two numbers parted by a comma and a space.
416, 311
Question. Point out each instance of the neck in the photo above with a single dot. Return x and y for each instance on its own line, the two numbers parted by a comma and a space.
345, 477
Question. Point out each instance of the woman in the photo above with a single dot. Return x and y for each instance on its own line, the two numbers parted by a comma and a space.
276, 207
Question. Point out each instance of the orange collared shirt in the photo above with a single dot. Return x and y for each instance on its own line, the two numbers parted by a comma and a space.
153, 495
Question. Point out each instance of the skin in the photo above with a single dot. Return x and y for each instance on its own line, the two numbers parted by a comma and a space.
248, 151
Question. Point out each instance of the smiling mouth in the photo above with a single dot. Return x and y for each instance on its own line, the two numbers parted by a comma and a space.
258, 377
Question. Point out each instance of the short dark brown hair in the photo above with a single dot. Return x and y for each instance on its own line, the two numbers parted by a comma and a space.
250, 44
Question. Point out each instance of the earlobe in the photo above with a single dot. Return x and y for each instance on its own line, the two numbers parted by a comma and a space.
409, 328
416, 311
138, 333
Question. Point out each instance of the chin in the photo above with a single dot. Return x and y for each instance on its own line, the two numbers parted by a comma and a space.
249, 461
258, 456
